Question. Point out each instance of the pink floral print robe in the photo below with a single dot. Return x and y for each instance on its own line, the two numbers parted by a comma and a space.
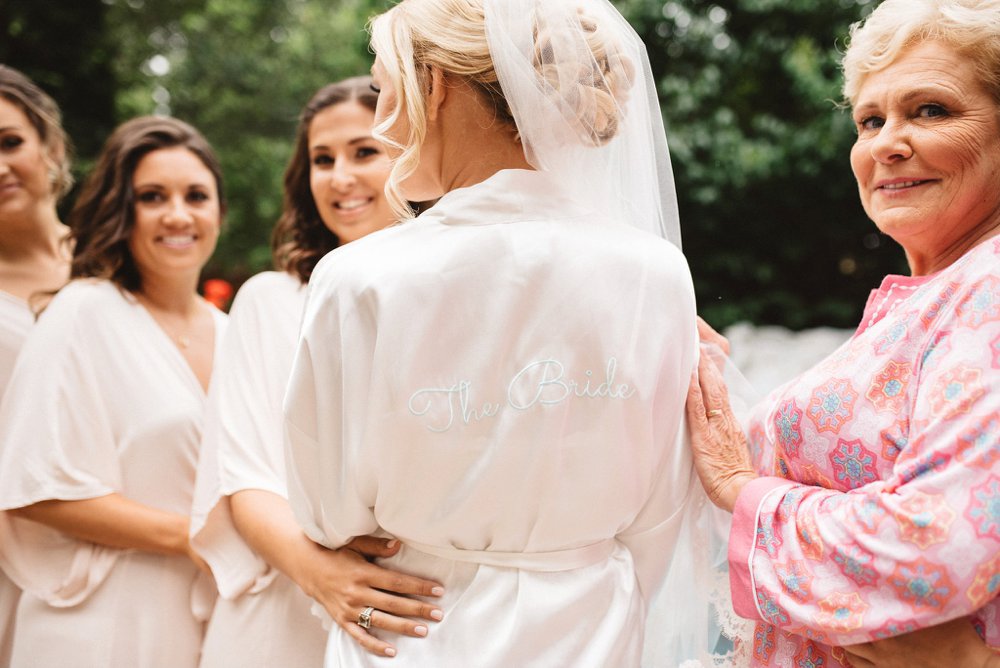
879, 512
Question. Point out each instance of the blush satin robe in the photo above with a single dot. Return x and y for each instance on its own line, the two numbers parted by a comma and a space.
101, 401
261, 618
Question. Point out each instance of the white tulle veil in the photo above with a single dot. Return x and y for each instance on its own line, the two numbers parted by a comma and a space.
578, 82
589, 115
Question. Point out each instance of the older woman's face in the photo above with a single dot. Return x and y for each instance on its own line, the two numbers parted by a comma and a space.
927, 157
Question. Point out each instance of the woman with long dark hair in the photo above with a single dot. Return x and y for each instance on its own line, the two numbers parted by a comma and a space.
100, 429
268, 572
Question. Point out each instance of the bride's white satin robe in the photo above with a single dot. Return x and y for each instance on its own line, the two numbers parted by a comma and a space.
500, 384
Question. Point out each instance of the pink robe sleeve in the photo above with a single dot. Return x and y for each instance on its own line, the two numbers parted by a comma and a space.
913, 550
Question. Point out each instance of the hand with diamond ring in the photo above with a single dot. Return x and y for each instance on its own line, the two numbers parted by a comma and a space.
345, 581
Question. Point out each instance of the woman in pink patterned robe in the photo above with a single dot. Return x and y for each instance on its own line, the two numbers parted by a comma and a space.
871, 508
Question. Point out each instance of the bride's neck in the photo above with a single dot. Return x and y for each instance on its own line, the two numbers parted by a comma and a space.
474, 144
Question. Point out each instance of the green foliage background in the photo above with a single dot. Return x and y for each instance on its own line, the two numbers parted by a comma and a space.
771, 221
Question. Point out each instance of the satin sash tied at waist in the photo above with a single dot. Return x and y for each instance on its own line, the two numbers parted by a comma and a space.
547, 562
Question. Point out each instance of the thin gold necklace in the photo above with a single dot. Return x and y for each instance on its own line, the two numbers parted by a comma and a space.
183, 340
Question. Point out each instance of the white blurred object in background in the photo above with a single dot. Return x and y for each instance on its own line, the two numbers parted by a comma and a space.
769, 356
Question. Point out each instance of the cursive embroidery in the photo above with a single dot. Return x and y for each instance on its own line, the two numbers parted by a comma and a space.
543, 382
432, 396
550, 388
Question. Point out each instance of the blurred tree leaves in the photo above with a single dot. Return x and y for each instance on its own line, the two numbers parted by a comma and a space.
65, 49
239, 70
772, 225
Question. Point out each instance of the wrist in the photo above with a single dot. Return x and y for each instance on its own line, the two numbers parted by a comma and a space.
180, 542
298, 565
729, 490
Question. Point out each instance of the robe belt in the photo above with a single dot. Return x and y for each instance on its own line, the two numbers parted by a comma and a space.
547, 562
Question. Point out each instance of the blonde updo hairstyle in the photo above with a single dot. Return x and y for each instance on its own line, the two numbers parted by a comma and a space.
970, 27
451, 35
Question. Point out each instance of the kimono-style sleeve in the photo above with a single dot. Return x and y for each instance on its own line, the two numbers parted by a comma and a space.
916, 549
57, 441
15, 322
656, 528
330, 487
242, 443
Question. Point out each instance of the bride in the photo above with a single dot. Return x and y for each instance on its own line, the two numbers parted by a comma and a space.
499, 383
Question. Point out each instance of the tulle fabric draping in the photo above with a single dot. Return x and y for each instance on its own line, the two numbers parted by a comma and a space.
578, 82
579, 85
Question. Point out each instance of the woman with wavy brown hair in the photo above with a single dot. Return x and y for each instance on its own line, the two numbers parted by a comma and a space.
34, 174
267, 571
100, 429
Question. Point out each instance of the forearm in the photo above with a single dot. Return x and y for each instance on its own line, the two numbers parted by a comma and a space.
114, 521
266, 522
954, 643
875, 541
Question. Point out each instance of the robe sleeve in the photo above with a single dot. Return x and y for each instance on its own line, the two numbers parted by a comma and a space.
242, 444
57, 441
675, 491
331, 488
916, 549
671, 498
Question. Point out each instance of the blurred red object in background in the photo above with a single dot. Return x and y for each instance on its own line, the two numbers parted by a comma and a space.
218, 291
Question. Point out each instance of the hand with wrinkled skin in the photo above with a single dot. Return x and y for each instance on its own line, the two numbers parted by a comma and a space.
719, 446
947, 645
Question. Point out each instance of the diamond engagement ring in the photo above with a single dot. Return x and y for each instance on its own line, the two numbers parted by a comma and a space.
365, 618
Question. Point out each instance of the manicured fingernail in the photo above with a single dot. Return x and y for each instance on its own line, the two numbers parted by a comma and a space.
420, 630
437, 591
392, 543
389, 651
437, 615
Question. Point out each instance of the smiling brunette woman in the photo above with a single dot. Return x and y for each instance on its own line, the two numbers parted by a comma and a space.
242, 524
871, 507
101, 427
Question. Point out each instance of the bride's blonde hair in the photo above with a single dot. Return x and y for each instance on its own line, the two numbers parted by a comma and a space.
451, 35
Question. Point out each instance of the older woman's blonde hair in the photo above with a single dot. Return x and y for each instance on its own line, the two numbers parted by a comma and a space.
970, 27
416, 35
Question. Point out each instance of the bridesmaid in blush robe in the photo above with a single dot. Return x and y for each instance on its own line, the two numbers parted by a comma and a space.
101, 424
34, 174
242, 525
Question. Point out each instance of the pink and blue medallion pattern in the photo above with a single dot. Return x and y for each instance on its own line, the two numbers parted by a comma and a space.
879, 512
